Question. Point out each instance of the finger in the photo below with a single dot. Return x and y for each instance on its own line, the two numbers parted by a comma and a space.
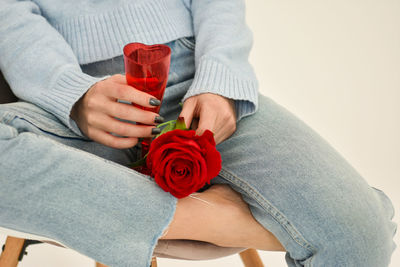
220, 136
224, 128
119, 78
112, 125
110, 140
130, 94
188, 111
131, 113
207, 121
195, 124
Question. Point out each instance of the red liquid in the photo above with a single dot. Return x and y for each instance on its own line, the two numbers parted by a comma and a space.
155, 88
146, 69
150, 85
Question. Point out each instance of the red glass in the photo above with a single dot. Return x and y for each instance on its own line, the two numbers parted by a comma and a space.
146, 69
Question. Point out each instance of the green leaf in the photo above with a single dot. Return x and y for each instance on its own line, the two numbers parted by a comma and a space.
138, 163
172, 125
169, 126
165, 123
180, 124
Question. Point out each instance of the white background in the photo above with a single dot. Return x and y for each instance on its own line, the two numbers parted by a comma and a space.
336, 65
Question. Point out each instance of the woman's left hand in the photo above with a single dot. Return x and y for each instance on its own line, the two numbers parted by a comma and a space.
210, 111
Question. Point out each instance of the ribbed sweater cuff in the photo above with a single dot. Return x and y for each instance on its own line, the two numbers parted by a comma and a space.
214, 77
64, 92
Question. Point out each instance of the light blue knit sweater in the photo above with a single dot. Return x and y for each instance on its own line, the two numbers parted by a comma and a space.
44, 42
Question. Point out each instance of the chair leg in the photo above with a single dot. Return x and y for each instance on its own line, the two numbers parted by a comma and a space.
251, 258
12, 250
154, 262
98, 264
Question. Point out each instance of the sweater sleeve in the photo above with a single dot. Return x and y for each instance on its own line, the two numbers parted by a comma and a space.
38, 63
223, 43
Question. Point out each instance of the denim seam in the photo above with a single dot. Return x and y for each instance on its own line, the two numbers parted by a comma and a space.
274, 212
308, 262
5, 118
54, 131
43, 124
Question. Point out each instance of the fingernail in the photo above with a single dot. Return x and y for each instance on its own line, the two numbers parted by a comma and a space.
155, 131
154, 102
159, 119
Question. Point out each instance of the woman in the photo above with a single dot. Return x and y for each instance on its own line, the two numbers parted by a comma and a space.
64, 60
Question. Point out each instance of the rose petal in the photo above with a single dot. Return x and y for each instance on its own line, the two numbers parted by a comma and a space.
182, 162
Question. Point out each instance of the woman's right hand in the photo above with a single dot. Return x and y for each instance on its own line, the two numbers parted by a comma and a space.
97, 110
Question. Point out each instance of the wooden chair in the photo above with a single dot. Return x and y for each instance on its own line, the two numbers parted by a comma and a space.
17, 242
14, 250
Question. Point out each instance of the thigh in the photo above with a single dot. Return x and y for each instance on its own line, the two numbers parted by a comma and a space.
297, 185
101, 209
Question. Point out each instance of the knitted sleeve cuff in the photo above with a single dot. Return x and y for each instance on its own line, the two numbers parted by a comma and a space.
214, 77
64, 92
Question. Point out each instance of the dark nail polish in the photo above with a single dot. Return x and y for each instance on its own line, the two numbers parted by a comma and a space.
154, 102
159, 119
155, 131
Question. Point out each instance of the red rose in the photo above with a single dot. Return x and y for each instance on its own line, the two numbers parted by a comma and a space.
182, 162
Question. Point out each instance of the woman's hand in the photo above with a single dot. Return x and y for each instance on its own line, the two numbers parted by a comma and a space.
96, 113
210, 111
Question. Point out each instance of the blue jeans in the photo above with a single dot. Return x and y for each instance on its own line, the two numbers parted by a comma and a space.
57, 184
